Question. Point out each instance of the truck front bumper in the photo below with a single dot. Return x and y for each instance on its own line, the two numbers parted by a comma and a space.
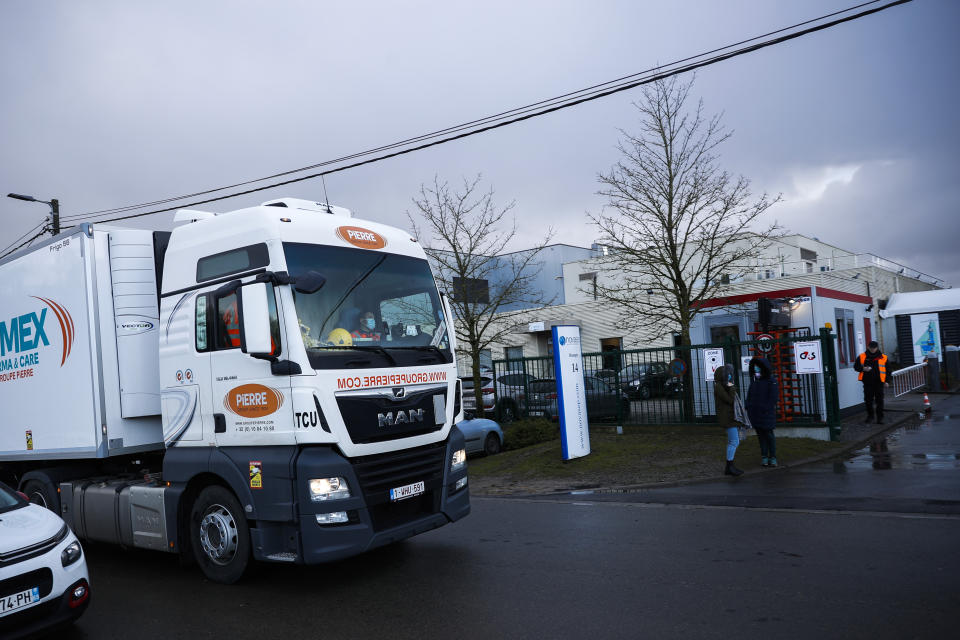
373, 518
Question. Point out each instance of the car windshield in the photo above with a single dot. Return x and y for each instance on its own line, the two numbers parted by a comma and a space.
382, 304
9, 500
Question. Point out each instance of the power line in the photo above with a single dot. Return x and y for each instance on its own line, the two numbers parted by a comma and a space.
23, 244
519, 114
471, 123
3, 251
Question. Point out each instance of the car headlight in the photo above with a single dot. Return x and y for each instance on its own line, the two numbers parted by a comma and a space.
322, 489
458, 461
71, 554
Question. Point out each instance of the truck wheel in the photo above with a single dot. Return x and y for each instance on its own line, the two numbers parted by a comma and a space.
219, 535
39, 493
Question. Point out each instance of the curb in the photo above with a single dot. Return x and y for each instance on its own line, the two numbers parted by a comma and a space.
635, 488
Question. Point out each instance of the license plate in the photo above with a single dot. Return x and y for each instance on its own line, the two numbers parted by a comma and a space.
535, 413
407, 491
14, 601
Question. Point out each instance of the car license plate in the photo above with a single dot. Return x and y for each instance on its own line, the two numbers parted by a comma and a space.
14, 601
407, 491
535, 413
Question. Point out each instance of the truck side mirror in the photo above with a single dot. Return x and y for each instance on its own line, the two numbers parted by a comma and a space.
255, 320
309, 282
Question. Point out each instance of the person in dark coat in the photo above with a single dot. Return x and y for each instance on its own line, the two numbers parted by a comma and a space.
730, 413
762, 399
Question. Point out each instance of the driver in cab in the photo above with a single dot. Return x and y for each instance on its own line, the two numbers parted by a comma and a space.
366, 330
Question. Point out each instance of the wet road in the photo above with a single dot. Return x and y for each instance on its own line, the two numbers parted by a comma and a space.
865, 548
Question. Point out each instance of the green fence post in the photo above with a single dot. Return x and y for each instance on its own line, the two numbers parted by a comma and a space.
830, 389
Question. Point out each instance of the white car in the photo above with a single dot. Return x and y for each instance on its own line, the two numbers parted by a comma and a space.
43, 573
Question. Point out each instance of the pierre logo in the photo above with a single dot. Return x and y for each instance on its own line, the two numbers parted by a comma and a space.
253, 400
363, 238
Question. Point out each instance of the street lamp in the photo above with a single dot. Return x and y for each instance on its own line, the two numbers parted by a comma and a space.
54, 208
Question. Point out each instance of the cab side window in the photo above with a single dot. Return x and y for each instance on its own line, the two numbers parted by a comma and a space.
218, 323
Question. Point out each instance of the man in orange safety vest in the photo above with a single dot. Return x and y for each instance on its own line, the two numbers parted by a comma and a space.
872, 366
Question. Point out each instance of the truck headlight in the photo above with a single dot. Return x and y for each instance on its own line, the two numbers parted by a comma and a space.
458, 461
71, 554
322, 489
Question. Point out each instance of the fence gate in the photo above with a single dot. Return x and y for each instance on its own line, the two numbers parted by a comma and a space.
670, 385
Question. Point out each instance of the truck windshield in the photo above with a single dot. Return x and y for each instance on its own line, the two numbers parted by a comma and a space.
375, 309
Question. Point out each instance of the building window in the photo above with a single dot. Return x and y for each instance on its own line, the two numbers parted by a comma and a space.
513, 356
806, 254
808, 267
471, 290
846, 338
592, 278
486, 359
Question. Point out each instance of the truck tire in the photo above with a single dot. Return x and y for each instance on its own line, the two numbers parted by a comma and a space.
40, 493
219, 535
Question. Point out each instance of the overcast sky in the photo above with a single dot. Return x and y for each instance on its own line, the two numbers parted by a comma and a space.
105, 104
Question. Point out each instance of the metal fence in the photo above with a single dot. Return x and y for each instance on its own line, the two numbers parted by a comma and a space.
906, 380
667, 385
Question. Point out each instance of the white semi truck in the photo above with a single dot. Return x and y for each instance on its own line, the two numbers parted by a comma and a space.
275, 383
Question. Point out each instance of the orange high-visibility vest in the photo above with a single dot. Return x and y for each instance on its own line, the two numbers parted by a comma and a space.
881, 364
231, 321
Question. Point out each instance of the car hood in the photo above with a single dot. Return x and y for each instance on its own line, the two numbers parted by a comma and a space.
477, 425
27, 526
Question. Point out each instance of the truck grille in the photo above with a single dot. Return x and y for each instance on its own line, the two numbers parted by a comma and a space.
361, 415
379, 473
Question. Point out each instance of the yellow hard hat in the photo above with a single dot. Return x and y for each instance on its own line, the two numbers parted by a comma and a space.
339, 337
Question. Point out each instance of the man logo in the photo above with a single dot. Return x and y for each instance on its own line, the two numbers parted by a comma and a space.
403, 417
399, 393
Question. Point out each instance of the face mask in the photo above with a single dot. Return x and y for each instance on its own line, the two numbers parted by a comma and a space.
729, 377
371, 323
756, 372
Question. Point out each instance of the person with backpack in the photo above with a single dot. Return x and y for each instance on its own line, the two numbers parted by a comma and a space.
731, 414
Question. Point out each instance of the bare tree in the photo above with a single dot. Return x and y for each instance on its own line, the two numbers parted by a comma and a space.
465, 234
679, 227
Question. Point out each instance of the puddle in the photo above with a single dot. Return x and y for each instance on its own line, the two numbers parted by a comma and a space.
921, 443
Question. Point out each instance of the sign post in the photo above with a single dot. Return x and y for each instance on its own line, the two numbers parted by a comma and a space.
571, 394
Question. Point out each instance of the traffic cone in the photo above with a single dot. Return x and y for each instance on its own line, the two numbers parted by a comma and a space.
926, 404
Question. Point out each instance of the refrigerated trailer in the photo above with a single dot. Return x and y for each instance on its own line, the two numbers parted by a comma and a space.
275, 383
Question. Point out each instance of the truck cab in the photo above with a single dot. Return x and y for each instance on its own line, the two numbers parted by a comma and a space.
307, 362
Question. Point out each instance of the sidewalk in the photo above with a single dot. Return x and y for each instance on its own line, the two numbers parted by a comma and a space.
664, 456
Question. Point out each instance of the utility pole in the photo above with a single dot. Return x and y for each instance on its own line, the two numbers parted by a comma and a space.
54, 209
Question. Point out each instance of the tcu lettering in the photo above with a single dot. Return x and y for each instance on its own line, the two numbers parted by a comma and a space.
403, 417
252, 399
306, 419
364, 236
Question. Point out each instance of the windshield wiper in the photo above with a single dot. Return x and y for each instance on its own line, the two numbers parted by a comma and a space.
354, 347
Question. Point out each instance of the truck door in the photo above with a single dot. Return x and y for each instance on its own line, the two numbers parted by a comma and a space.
251, 406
